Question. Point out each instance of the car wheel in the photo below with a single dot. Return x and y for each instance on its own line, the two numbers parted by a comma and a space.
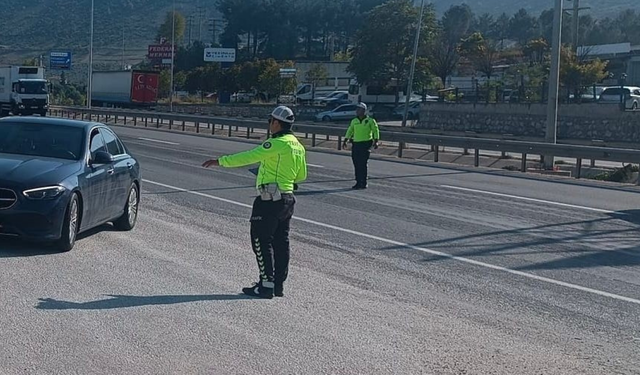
70, 225
128, 220
634, 107
326, 119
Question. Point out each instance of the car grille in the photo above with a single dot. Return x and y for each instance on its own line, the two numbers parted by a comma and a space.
7, 199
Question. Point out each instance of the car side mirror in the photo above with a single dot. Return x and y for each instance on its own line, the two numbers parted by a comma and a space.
102, 157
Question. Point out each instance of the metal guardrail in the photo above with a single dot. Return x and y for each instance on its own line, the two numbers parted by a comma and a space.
389, 134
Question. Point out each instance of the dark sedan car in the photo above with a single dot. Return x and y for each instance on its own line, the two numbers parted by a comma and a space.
59, 178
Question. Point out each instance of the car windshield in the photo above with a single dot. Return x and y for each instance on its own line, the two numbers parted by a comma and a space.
41, 140
36, 87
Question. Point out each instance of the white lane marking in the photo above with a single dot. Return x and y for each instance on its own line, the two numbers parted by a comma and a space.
421, 249
314, 165
529, 199
159, 141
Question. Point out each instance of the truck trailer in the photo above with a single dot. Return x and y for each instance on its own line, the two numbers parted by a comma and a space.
124, 88
23, 91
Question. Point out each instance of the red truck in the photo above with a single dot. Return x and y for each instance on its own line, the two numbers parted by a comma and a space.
124, 88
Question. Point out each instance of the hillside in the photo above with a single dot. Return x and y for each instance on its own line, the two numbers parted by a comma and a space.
37, 26
599, 8
31, 28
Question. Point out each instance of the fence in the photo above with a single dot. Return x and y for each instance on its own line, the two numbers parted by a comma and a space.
391, 134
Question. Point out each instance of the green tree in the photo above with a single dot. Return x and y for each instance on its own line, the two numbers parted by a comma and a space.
423, 79
522, 27
443, 56
269, 81
30, 62
501, 29
165, 31
482, 53
190, 57
385, 43
456, 22
536, 50
317, 73
578, 74
444, 53
164, 84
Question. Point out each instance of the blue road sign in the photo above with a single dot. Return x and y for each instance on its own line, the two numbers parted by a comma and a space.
60, 61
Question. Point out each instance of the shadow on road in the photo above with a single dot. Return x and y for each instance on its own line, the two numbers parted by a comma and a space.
630, 216
321, 192
608, 241
124, 301
15, 248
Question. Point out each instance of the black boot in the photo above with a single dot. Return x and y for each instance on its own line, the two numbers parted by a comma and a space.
278, 290
257, 290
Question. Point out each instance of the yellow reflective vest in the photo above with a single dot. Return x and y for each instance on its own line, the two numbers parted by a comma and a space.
282, 161
363, 131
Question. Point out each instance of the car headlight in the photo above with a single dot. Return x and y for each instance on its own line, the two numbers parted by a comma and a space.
48, 192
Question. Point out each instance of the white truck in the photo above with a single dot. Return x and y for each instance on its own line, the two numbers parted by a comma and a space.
307, 93
23, 91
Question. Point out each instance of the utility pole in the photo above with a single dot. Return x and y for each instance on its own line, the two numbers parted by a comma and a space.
173, 53
409, 91
199, 22
214, 24
123, 48
190, 25
90, 80
554, 83
575, 24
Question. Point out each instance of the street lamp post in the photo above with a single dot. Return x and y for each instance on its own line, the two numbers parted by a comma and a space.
90, 78
409, 90
173, 53
554, 83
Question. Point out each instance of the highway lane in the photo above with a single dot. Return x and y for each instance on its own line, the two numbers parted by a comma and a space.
428, 271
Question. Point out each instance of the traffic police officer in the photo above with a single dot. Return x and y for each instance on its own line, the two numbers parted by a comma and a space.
364, 134
282, 166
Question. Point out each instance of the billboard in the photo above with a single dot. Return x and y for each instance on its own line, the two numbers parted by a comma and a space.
145, 87
60, 60
288, 73
220, 55
159, 51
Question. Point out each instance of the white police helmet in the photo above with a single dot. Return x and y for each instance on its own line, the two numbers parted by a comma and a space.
362, 106
283, 114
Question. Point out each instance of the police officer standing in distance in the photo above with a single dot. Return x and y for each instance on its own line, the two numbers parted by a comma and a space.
364, 134
283, 165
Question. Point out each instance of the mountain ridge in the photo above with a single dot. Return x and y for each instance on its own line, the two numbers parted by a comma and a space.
30, 29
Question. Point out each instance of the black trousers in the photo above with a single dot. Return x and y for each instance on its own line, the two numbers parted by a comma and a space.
270, 224
360, 153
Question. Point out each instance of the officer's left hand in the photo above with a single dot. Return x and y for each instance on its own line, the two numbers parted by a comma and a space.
211, 163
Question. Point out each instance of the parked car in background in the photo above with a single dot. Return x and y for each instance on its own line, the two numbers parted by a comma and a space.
413, 114
335, 99
59, 178
629, 94
344, 112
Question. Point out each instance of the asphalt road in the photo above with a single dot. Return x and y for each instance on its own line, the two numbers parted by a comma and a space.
434, 270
